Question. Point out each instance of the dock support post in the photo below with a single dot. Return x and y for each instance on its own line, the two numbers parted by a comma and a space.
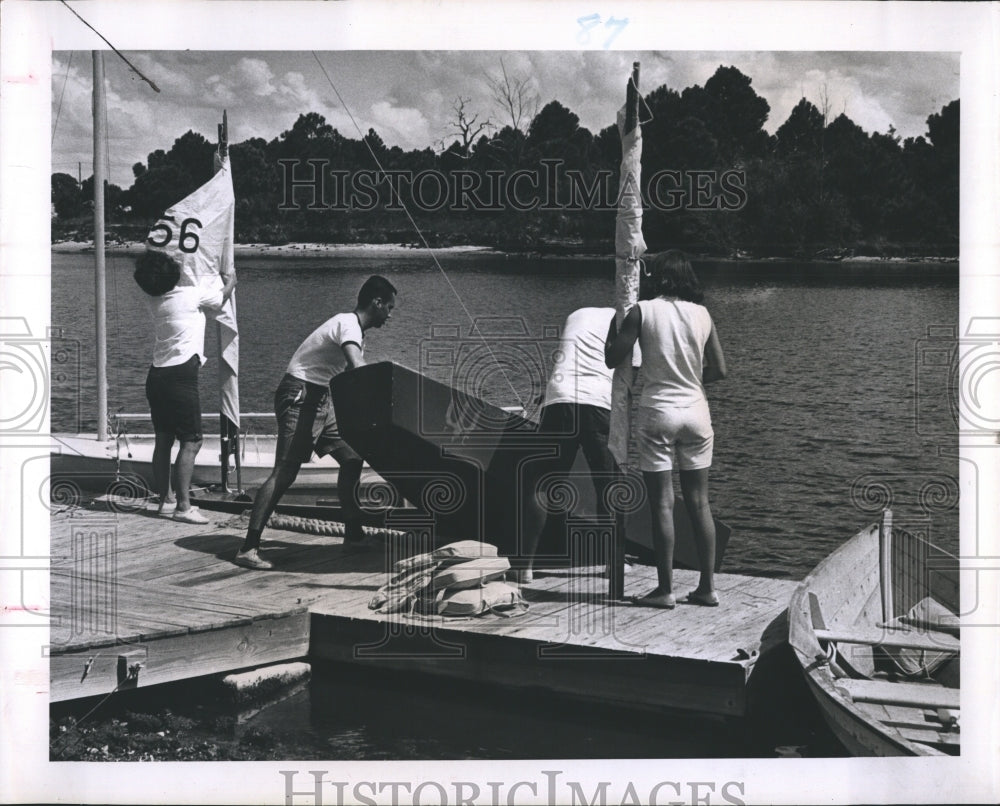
129, 665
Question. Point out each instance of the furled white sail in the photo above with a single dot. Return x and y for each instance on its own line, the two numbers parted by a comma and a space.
198, 233
629, 248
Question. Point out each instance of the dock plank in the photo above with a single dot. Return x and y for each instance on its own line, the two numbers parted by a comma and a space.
649, 681
178, 597
183, 656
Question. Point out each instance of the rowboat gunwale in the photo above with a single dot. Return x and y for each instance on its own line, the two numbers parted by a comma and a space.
858, 731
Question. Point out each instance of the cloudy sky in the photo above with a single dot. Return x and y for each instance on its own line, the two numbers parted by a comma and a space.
407, 96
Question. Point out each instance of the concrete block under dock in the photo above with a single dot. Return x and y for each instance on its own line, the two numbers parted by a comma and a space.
138, 600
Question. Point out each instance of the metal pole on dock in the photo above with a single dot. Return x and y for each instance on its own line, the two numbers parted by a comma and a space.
100, 297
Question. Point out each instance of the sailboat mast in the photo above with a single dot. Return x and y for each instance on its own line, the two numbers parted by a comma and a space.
100, 297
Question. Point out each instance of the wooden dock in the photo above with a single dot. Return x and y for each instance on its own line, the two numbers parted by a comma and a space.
138, 600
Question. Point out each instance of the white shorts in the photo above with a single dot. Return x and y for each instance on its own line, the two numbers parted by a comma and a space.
663, 433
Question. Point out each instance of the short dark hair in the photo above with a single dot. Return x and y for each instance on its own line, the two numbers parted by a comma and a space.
156, 272
670, 273
375, 287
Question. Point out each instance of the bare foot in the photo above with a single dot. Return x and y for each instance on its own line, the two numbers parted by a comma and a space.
695, 597
656, 598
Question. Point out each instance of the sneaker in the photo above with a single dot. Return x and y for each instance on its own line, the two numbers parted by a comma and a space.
524, 576
252, 559
192, 515
167, 510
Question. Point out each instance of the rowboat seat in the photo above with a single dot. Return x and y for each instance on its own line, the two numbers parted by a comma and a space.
894, 638
928, 614
915, 695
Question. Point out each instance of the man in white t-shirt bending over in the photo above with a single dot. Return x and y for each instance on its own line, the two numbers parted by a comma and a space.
575, 415
305, 415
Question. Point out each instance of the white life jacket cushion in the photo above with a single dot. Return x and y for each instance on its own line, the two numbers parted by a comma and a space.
471, 573
496, 597
449, 553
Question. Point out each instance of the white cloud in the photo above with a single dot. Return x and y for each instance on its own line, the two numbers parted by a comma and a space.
255, 76
294, 91
402, 126
407, 96
248, 79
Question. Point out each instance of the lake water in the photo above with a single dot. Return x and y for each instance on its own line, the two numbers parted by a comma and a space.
829, 412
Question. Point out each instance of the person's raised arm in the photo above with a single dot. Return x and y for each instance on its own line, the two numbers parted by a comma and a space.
714, 365
618, 346
353, 355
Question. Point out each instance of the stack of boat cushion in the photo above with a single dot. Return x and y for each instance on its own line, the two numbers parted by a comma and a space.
495, 597
469, 574
461, 579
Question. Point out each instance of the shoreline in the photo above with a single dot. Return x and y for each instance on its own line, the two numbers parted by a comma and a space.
401, 250
287, 250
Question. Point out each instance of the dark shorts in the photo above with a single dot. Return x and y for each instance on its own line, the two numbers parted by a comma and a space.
173, 398
572, 427
306, 423
578, 421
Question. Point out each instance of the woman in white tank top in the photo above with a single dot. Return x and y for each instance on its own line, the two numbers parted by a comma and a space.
680, 354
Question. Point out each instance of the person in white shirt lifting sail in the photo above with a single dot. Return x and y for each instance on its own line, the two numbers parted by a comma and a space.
178, 314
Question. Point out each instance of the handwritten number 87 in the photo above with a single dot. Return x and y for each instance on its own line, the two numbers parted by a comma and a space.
187, 242
592, 21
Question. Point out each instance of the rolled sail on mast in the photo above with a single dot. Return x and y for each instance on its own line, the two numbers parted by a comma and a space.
629, 248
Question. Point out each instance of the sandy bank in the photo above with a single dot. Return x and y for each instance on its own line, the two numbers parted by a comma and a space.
291, 250
294, 250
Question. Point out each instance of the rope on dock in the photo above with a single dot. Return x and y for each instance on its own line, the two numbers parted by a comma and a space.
315, 526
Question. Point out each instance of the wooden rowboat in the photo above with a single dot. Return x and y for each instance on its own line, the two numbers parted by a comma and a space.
874, 630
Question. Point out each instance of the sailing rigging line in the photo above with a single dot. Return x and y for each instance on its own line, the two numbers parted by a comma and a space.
62, 95
420, 234
120, 55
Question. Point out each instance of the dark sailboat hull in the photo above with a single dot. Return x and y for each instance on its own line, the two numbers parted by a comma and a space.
464, 465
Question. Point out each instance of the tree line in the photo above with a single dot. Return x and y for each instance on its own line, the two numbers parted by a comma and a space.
716, 181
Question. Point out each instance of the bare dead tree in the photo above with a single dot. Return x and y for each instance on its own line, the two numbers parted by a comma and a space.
514, 96
467, 127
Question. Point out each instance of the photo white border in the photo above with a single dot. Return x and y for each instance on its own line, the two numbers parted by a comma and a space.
32, 30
